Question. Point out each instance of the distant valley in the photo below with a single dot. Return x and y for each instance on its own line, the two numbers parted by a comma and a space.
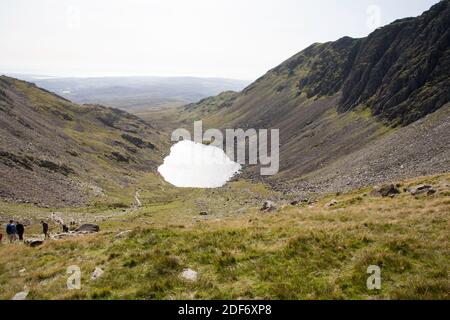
135, 94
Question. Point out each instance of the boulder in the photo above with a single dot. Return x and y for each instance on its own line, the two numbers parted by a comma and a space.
98, 272
388, 190
89, 228
189, 274
203, 213
268, 206
423, 189
332, 203
20, 295
34, 242
298, 202
123, 233
59, 236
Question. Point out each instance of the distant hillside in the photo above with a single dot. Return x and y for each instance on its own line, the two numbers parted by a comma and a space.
55, 152
136, 93
355, 111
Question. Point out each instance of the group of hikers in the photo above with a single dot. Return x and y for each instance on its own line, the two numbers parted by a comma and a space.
16, 230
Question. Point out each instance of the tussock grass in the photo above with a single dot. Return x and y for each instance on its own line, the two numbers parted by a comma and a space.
239, 252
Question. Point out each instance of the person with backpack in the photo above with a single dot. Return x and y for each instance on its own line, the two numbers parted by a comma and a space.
20, 230
45, 229
11, 231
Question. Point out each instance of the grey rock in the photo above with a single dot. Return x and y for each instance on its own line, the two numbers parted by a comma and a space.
423, 189
59, 236
34, 242
21, 295
388, 190
332, 203
98, 272
123, 233
268, 206
189, 274
90, 228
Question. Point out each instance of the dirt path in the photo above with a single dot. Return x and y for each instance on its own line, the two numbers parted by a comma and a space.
58, 219
137, 201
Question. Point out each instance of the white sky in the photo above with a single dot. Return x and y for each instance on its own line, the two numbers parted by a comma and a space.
226, 38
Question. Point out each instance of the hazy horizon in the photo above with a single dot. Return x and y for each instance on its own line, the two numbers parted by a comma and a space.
170, 38
26, 75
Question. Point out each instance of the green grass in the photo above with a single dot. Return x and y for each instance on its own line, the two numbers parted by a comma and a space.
241, 253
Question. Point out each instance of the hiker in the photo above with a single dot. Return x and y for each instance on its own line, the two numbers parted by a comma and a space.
45, 229
11, 231
20, 230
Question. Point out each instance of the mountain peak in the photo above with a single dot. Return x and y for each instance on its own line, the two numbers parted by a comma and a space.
399, 70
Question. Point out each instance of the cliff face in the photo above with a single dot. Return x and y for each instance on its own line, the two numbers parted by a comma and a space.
399, 71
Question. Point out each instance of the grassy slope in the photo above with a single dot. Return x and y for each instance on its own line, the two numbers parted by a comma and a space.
295, 253
81, 137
